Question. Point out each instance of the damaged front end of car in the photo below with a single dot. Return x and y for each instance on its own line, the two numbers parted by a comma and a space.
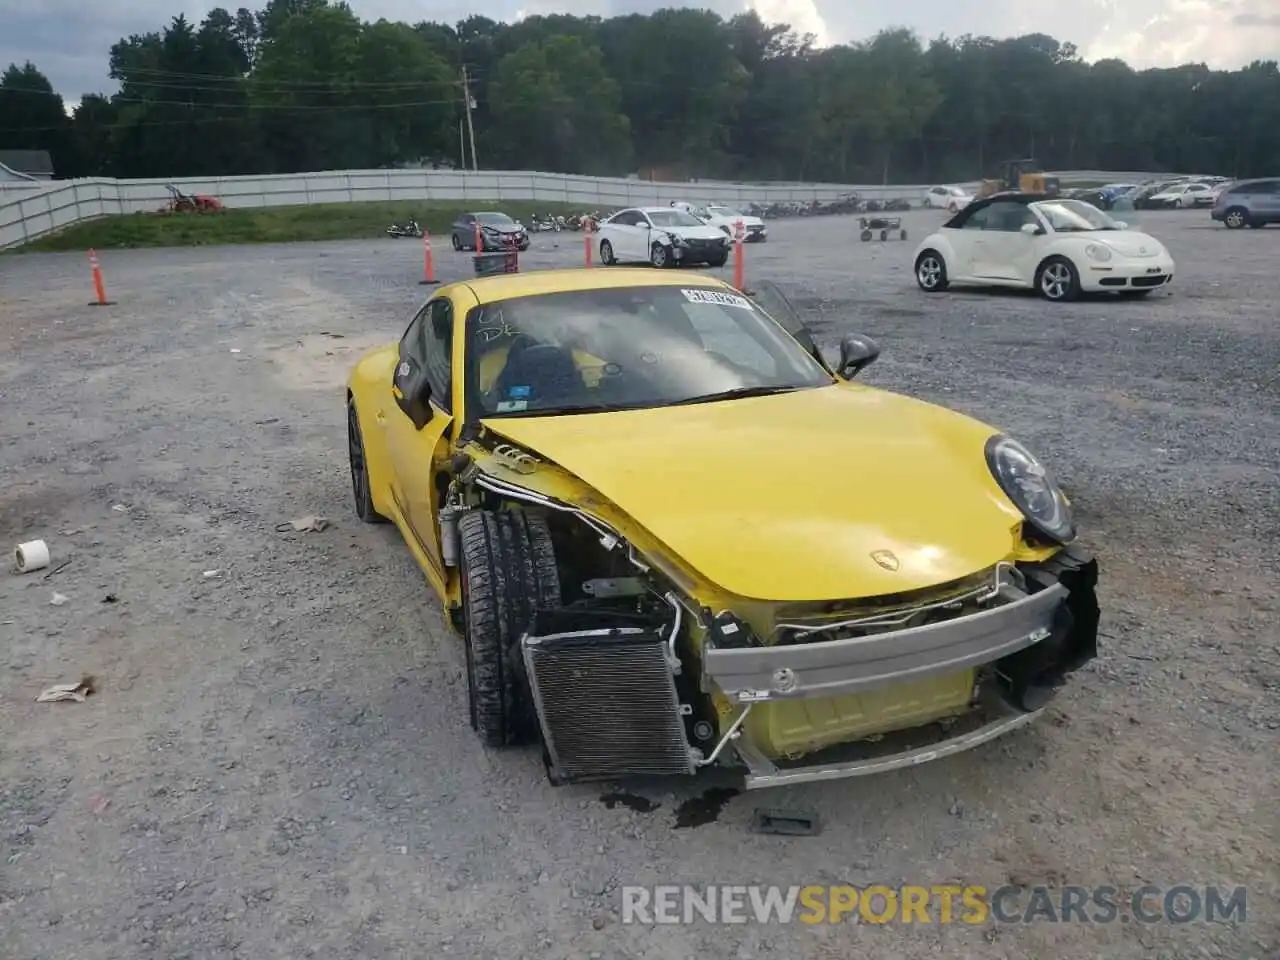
645, 669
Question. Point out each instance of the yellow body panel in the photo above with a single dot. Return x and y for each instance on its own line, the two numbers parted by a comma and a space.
792, 728
786, 497
742, 504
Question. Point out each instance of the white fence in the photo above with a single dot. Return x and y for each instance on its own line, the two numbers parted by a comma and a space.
28, 214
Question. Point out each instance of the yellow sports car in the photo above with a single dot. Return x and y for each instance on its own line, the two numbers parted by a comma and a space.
672, 535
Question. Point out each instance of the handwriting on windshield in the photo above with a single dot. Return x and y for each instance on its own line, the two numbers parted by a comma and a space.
493, 326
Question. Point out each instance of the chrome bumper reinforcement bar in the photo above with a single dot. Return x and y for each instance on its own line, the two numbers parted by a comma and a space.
762, 772
835, 667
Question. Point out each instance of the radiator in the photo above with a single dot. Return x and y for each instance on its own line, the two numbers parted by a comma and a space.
606, 702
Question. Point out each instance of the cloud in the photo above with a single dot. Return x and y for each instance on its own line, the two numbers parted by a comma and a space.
1256, 20
69, 39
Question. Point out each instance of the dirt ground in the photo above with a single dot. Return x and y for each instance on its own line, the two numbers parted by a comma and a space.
278, 762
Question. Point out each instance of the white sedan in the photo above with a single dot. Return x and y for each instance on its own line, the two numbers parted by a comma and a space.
1059, 247
1185, 195
726, 219
662, 236
947, 198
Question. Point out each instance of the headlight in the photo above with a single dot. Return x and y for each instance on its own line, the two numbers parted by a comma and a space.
1032, 490
1096, 251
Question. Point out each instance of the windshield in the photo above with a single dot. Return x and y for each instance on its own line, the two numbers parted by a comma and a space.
1074, 216
628, 347
672, 218
725, 211
495, 219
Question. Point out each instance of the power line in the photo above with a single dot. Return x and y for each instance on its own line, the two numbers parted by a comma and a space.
275, 109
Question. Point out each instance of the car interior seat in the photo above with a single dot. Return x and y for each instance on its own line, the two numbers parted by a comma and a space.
540, 373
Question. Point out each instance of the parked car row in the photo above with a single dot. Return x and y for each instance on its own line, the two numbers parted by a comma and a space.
1186, 192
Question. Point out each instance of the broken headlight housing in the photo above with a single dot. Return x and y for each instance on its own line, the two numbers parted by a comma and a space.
1033, 491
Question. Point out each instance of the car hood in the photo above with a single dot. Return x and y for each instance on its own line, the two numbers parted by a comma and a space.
503, 227
1127, 243
787, 497
693, 233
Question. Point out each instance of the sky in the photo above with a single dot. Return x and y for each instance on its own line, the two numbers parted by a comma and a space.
69, 39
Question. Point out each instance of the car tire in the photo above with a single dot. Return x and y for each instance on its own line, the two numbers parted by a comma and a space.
508, 570
606, 253
865, 235
931, 272
658, 256
718, 261
361, 488
1058, 280
1235, 218
457, 244
1178, 203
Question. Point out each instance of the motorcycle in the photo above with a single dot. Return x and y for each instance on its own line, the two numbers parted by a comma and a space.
542, 223
409, 228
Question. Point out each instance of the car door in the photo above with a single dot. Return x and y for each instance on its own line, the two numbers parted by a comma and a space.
967, 244
1264, 200
465, 228
426, 349
1004, 248
620, 232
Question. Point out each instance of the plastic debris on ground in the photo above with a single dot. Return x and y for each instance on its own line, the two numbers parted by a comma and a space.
308, 524
77, 691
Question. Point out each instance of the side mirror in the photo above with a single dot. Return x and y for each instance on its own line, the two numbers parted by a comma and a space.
413, 393
1032, 229
856, 353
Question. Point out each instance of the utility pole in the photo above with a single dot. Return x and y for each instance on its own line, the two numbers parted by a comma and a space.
469, 102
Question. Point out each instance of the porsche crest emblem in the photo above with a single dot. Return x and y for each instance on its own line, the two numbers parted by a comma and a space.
885, 558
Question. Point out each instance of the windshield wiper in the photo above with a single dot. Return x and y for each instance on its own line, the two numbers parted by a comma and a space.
734, 393
562, 411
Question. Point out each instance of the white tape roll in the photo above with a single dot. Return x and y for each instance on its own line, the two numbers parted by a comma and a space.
32, 555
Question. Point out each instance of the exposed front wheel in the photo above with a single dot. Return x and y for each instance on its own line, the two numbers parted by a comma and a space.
931, 272
508, 570
606, 253
1058, 280
1235, 218
457, 244
658, 255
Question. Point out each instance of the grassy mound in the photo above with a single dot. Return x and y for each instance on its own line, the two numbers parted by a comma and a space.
328, 221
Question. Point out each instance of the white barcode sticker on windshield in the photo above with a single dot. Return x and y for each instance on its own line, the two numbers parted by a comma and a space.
716, 297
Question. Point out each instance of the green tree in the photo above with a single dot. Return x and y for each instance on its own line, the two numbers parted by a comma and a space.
558, 109
33, 116
306, 85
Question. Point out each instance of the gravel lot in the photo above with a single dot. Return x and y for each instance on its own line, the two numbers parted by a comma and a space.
278, 762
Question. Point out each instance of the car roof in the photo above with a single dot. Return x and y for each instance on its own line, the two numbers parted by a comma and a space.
537, 282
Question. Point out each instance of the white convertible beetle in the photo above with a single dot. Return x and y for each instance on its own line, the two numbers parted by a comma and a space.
1061, 248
